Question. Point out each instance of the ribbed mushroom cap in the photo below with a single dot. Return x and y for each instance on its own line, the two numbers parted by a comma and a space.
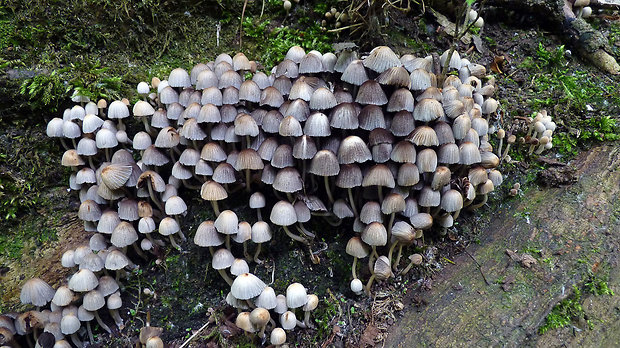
244, 233
267, 298
63, 296
167, 138
146, 225
393, 203
85, 147
329, 62
353, 150
344, 116
496, 177
428, 110
36, 292
429, 198
310, 64
107, 285
287, 68
257, 200
448, 154
271, 121
290, 127
69, 324
259, 317
408, 175
451, 201
395, 76
227, 222
341, 209
288, 180
283, 214
297, 108
207, 235
247, 286
124, 234
371, 117
305, 148
426, 161
296, 295
70, 158
350, 176
249, 91
403, 152
93, 300
317, 125
92, 262
89, 211
168, 226
383, 268
325, 163
423, 136
116, 260
108, 222
91, 123
141, 141
288, 320
375, 234
249, 159
261, 80
71, 130
322, 99
441, 178
212, 152
82, 281
114, 301
355, 73
381, 58
370, 92
116, 176
477, 175
222, 259
270, 96
179, 78
175, 205
371, 212
153, 157
490, 160
403, 232
152, 178
117, 109
469, 153
402, 123
261, 232
421, 221
344, 58
357, 248
401, 100
485, 188
295, 54
420, 80
489, 106
280, 156
54, 128
379, 175
283, 84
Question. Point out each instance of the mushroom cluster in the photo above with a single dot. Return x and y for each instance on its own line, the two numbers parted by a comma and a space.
540, 133
384, 143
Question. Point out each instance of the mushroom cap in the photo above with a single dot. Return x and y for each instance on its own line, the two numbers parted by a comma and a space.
311, 303
247, 286
227, 222
283, 214
375, 234
222, 259
82, 281
381, 58
278, 336
261, 232
207, 235
267, 298
259, 317
239, 266
36, 292
357, 248
296, 295
69, 324
288, 320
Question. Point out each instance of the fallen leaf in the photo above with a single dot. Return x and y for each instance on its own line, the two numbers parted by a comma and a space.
369, 335
497, 66
513, 255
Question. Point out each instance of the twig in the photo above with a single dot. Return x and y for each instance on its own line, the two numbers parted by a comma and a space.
479, 267
245, 3
194, 335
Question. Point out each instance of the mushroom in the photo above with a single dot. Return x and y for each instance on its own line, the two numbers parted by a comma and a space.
278, 337
259, 318
311, 304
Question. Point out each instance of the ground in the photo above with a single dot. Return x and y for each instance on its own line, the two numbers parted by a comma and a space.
533, 71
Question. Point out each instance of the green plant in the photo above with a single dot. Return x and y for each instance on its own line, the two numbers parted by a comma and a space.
564, 313
597, 285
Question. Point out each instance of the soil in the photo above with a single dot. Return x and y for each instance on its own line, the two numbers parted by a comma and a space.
448, 301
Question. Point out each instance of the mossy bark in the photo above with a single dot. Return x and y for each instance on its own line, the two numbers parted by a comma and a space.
576, 228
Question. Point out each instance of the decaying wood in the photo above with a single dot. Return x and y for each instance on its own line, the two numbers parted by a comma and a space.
587, 42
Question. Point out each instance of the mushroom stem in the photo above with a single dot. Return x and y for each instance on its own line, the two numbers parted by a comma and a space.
258, 250
247, 180
91, 339
391, 252
456, 214
139, 252
259, 215
328, 190
183, 239
478, 205
76, 340
153, 197
147, 127
245, 251
293, 236
174, 243
307, 319
301, 228
354, 268
371, 262
117, 318
389, 227
64, 144
352, 201
380, 192
228, 241
407, 268
216, 208
290, 197
499, 147
154, 241
225, 276
540, 149
91, 163
369, 284
107, 154
506, 151
398, 256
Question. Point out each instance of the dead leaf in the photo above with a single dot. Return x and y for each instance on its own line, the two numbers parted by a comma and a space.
497, 66
368, 337
508, 282
527, 260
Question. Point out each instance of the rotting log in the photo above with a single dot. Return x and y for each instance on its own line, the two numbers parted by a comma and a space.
576, 227
585, 40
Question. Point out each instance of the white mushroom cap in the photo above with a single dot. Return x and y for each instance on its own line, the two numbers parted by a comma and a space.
36, 292
247, 286
296, 295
